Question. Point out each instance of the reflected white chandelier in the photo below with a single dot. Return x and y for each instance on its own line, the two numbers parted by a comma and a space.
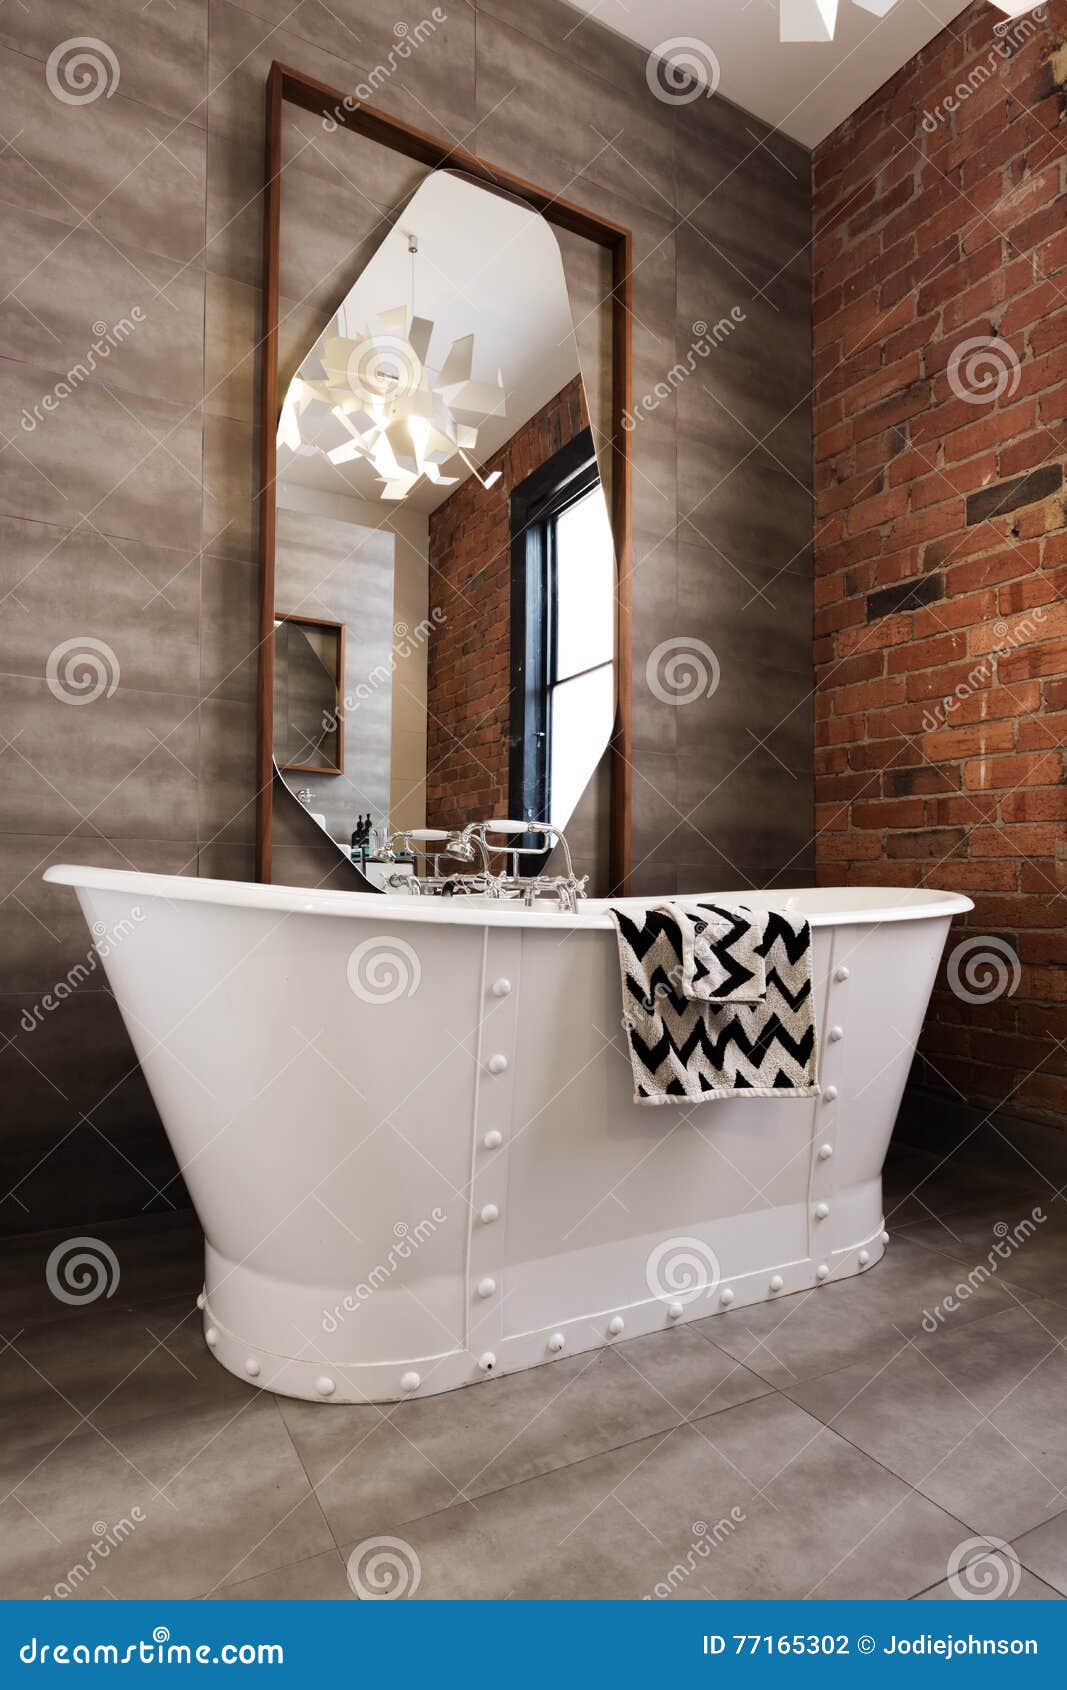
816, 20
397, 414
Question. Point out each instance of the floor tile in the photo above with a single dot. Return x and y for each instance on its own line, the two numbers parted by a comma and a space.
863, 1317
196, 1499
1044, 1551
1022, 1238
159, 1256
730, 1507
113, 1366
972, 1417
1028, 1589
421, 1456
321, 1578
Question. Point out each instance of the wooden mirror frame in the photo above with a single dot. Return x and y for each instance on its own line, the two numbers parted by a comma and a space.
287, 85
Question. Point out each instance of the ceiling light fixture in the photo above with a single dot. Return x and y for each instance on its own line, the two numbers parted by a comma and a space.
395, 413
816, 20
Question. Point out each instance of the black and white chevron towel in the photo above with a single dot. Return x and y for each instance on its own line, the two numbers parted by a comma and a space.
690, 1050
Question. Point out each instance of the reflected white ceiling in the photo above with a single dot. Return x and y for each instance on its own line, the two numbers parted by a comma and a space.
486, 266
803, 88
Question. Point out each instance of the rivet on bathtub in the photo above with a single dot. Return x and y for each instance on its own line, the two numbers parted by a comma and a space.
864, 1257
835, 1034
829, 1094
325, 1386
556, 1342
410, 1381
726, 1297
825, 1152
821, 1211
885, 1238
486, 1286
675, 1311
201, 1300
493, 1140
841, 973
211, 1336
822, 1271
487, 1361
501, 987
252, 1367
616, 1325
776, 1282
489, 1213
498, 1064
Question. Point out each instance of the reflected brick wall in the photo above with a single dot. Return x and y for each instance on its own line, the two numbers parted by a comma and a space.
469, 675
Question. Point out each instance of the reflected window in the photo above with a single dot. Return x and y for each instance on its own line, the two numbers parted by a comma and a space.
563, 633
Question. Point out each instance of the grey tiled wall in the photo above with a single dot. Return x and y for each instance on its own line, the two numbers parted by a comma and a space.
126, 513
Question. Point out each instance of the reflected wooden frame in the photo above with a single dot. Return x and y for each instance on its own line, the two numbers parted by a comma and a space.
285, 85
340, 629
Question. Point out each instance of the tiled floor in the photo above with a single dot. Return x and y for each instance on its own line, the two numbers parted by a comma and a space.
850, 1441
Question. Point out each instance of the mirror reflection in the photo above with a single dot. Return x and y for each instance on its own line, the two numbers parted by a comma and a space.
308, 712
440, 509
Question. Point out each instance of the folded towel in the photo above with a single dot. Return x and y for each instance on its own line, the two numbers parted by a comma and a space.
689, 1051
721, 957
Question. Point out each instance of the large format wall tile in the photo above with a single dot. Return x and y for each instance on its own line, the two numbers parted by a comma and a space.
43, 933
542, 115
71, 585
73, 298
129, 465
122, 766
134, 173
161, 50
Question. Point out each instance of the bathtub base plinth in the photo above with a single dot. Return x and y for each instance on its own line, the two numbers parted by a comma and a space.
313, 1377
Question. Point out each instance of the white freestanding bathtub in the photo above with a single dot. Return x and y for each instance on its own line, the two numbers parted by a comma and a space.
407, 1125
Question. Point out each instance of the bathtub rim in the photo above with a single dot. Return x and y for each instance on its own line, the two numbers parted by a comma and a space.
859, 905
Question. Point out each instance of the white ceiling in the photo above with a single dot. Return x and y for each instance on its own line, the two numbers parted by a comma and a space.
803, 88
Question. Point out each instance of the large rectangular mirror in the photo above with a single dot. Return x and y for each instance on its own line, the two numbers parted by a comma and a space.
438, 491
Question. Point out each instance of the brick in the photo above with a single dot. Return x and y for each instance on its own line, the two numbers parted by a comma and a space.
909, 595
1031, 768
1008, 496
932, 842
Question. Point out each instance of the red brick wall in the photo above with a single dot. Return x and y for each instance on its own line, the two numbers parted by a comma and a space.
469, 666
941, 546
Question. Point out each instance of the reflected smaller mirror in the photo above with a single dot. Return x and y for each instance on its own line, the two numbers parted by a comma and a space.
309, 666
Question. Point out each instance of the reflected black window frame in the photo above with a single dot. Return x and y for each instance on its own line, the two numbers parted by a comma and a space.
537, 502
